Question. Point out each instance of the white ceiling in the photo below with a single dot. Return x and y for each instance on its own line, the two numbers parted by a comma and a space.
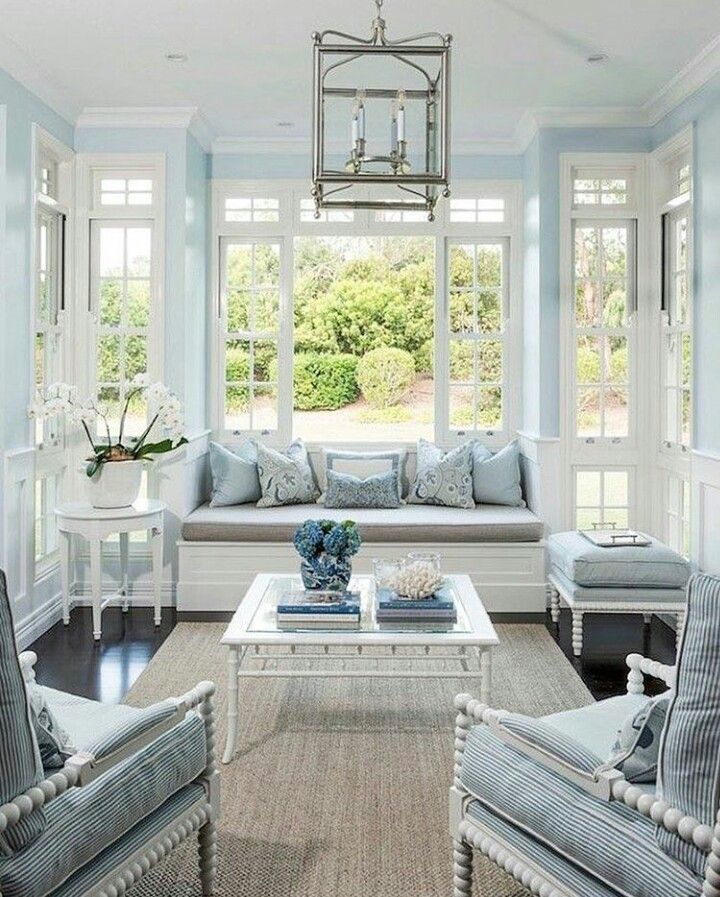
249, 64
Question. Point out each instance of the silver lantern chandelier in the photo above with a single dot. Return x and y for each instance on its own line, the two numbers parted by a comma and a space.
398, 133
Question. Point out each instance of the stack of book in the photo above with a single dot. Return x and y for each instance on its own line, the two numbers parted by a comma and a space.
319, 610
439, 608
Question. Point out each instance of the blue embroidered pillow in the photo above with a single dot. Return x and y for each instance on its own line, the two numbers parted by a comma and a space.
346, 491
443, 478
635, 753
285, 478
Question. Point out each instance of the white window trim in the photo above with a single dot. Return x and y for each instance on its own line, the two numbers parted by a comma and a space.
51, 458
290, 192
631, 453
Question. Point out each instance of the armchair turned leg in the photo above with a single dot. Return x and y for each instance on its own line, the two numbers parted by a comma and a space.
462, 869
577, 632
554, 605
207, 855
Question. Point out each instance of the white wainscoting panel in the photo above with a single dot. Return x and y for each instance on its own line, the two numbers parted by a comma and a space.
705, 511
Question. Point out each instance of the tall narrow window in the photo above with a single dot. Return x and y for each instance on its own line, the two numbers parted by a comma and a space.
604, 290
250, 316
122, 287
49, 301
478, 285
677, 330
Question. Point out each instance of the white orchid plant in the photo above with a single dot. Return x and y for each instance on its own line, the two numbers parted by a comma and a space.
166, 411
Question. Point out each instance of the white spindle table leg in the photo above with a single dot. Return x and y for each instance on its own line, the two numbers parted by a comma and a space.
577, 632
124, 557
232, 710
485, 675
96, 586
65, 542
157, 571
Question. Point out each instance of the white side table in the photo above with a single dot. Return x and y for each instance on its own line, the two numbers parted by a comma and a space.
95, 525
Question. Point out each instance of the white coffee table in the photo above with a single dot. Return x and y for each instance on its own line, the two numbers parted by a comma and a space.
258, 649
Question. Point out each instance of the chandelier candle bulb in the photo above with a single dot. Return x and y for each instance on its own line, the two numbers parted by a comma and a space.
401, 117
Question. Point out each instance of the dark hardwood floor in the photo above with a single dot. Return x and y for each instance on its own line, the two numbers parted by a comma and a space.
69, 659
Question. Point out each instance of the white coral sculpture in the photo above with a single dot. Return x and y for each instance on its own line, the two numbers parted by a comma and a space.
417, 580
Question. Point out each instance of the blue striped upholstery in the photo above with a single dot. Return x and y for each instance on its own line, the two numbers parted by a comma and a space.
20, 763
558, 744
131, 728
143, 833
688, 767
546, 859
608, 840
84, 821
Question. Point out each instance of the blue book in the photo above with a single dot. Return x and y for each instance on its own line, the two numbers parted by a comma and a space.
342, 603
442, 600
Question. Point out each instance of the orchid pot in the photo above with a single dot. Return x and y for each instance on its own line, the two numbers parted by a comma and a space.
115, 484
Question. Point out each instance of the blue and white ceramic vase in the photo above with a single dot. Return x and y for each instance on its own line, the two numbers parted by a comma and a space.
326, 573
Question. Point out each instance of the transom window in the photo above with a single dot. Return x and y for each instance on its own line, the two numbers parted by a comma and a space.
479, 210
326, 216
404, 216
126, 191
591, 190
477, 310
601, 499
47, 177
683, 179
250, 315
252, 209
604, 299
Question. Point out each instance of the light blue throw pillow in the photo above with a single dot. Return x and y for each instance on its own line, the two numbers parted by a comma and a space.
443, 478
285, 478
346, 491
235, 479
496, 478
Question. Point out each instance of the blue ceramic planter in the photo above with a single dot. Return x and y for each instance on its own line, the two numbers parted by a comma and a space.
326, 573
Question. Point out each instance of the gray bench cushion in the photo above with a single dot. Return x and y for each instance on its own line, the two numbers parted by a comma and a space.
606, 593
410, 523
653, 566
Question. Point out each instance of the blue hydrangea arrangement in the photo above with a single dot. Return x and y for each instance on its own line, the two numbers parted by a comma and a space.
326, 548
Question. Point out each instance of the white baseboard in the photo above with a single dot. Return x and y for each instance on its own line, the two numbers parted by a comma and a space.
38, 622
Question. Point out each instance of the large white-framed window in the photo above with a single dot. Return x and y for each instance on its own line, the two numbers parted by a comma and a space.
602, 396
51, 259
281, 327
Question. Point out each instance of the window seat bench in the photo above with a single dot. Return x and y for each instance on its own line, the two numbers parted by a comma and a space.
501, 548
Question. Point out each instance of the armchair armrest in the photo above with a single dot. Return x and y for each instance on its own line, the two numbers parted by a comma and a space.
643, 666
27, 660
84, 767
537, 741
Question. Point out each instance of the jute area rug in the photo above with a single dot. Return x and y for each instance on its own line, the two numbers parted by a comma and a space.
339, 787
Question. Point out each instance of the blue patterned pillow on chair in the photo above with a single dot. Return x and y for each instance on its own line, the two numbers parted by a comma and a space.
635, 752
346, 491
443, 478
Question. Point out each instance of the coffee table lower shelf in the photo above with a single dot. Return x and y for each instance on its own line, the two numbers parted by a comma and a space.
474, 662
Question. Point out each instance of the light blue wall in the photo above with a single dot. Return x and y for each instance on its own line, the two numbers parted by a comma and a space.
22, 110
185, 223
702, 110
299, 166
196, 254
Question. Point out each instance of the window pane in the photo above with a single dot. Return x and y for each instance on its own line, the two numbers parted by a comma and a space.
364, 310
238, 310
110, 302
588, 303
489, 310
616, 488
617, 371
588, 488
616, 412
490, 361
138, 251
112, 251
589, 367
237, 361
138, 303
489, 408
462, 311
237, 405
135, 356
462, 361
587, 264
462, 400
588, 413
461, 266
108, 369
489, 266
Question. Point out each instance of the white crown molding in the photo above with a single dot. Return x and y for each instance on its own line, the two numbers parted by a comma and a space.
136, 116
686, 82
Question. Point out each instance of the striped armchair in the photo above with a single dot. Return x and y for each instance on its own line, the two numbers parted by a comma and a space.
91, 821
541, 799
